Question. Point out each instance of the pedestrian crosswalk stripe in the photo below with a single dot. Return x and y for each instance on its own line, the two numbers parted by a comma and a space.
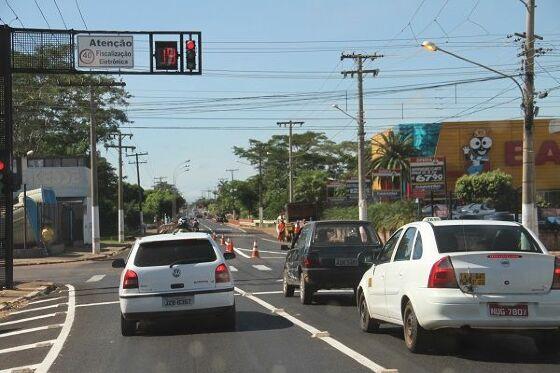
38, 308
31, 330
95, 278
262, 267
232, 268
27, 368
27, 347
31, 319
45, 300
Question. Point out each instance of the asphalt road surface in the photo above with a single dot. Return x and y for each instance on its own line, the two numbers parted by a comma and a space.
77, 329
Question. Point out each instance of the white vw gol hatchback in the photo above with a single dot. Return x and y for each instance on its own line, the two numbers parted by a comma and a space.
175, 275
463, 275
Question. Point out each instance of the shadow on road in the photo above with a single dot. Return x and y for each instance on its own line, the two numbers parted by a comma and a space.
334, 299
247, 321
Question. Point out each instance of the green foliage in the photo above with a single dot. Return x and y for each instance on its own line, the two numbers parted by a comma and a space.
392, 151
493, 187
310, 186
159, 201
384, 216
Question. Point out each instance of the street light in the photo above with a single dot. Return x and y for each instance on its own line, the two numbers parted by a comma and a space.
186, 165
362, 201
528, 210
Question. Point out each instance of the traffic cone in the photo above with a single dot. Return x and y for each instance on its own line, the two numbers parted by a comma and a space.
222, 241
229, 246
255, 252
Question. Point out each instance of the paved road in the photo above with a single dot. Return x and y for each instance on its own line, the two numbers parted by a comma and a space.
77, 329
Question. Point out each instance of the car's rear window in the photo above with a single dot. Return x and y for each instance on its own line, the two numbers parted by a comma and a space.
466, 238
162, 253
345, 234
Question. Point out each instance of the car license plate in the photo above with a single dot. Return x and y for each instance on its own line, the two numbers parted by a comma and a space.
475, 279
346, 262
169, 302
505, 310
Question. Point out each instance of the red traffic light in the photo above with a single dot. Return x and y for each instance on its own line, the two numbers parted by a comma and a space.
2, 165
190, 44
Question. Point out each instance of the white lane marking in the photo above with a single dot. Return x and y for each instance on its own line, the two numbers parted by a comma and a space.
241, 253
273, 241
45, 300
96, 304
27, 347
232, 268
57, 346
273, 257
27, 368
38, 308
264, 251
297, 291
279, 280
95, 278
30, 319
262, 267
316, 332
31, 330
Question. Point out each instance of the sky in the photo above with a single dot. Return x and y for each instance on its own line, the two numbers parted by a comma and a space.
267, 61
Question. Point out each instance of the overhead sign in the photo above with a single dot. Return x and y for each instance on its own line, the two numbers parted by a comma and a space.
105, 51
427, 174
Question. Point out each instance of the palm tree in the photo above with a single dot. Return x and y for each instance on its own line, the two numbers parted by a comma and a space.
392, 151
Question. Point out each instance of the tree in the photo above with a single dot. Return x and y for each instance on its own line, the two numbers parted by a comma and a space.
54, 120
311, 186
392, 151
493, 187
159, 201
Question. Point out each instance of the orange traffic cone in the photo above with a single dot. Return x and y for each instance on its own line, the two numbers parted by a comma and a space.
222, 241
255, 252
229, 246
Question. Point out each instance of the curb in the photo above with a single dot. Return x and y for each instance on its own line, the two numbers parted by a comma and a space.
43, 290
92, 258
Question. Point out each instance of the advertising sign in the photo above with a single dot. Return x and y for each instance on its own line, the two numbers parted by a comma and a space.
383, 172
387, 194
427, 175
105, 51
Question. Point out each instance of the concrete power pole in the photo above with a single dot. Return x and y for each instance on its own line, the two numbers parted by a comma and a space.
359, 59
95, 236
528, 208
232, 170
290, 124
120, 147
141, 194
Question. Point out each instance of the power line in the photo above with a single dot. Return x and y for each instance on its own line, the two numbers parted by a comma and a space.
15, 14
81, 15
42, 14
60, 13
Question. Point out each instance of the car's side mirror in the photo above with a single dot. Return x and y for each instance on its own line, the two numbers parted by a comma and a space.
228, 255
118, 263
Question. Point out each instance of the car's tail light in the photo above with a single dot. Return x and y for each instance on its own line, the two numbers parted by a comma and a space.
556, 277
310, 261
222, 274
130, 280
442, 274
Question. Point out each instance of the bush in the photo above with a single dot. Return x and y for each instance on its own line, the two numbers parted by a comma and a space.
493, 187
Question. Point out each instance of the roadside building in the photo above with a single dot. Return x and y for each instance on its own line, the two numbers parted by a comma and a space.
476, 146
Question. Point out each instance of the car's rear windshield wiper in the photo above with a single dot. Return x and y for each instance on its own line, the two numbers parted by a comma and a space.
189, 261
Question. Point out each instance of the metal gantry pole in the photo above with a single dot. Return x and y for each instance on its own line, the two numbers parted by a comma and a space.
95, 235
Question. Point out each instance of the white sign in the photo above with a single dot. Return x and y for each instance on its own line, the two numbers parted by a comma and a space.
105, 51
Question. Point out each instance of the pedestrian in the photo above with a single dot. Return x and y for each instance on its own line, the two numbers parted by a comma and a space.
281, 230
297, 231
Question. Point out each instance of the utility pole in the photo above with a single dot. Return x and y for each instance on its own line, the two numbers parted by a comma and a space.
232, 170
159, 180
359, 60
290, 124
95, 236
529, 211
120, 147
140, 191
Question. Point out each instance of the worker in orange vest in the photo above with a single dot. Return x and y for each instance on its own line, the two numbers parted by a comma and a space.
281, 230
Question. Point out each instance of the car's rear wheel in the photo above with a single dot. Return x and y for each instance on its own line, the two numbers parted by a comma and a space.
305, 291
128, 327
366, 322
416, 338
548, 342
287, 289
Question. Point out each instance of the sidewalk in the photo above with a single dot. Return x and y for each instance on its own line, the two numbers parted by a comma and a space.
75, 255
23, 291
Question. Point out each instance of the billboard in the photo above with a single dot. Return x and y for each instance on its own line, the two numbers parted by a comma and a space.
427, 174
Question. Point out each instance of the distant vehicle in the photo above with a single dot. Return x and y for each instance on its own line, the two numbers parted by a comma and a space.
328, 255
451, 275
175, 275
427, 210
473, 211
300, 211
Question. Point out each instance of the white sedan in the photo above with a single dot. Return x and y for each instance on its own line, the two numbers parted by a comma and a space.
464, 275
175, 275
